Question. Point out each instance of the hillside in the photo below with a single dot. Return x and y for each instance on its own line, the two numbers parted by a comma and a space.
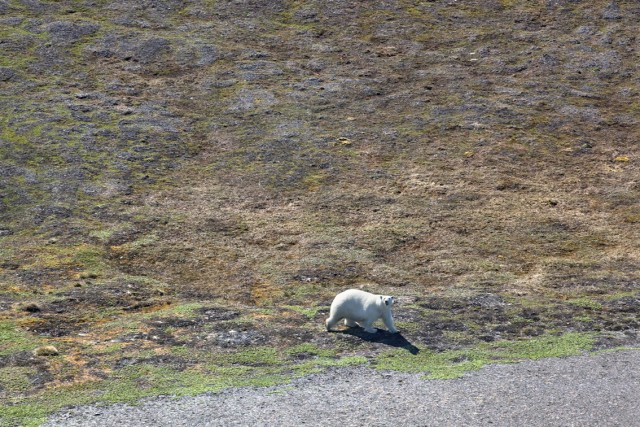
184, 186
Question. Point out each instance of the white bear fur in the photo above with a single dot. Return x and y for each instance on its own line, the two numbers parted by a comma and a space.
361, 308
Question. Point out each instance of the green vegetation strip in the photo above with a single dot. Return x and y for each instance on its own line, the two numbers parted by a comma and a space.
454, 363
259, 367
266, 366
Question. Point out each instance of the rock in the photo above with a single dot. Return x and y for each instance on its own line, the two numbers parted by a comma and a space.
41, 213
233, 338
36, 6
208, 55
142, 54
218, 314
47, 350
40, 378
7, 74
250, 99
489, 301
612, 11
66, 32
152, 50
624, 304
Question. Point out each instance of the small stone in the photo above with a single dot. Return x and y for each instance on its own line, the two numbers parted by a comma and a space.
124, 110
47, 350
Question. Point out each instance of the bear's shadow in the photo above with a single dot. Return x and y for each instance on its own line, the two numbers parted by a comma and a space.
383, 337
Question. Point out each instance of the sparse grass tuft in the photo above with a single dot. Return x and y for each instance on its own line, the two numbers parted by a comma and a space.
14, 339
586, 303
310, 312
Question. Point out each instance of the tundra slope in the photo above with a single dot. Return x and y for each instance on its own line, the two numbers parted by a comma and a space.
185, 185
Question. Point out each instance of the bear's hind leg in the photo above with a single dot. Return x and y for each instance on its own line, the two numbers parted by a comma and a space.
368, 328
350, 323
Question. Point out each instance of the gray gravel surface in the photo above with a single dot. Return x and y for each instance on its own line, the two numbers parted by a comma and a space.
600, 390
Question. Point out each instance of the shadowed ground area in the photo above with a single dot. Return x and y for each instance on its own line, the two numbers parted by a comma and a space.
392, 340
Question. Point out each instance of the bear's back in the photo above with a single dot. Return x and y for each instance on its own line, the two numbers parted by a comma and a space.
353, 299
355, 295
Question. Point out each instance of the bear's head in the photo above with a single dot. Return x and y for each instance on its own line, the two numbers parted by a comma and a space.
387, 300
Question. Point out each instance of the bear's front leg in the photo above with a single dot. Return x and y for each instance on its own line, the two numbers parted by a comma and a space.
331, 322
388, 321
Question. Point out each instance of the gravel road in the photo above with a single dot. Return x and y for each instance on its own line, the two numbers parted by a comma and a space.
590, 390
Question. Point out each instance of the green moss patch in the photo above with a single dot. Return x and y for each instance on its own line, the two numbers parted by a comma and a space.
454, 363
14, 339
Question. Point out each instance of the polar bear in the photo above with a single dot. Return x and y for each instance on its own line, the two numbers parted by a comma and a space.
358, 307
